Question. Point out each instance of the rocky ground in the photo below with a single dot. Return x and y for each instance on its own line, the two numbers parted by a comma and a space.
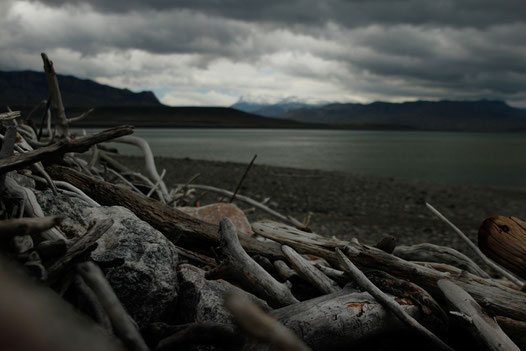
347, 205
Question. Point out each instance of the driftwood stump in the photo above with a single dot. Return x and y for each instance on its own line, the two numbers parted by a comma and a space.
503, 239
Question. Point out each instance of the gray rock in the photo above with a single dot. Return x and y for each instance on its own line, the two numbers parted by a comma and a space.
201, 300
69, 207
147, 282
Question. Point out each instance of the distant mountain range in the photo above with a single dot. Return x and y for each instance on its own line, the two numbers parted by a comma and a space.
23, 90
278, 109
481, 115
113, 106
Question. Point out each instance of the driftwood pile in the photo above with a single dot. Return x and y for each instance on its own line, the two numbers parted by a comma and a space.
281, 287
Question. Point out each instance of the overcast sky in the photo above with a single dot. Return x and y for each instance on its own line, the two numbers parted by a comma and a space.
213, 52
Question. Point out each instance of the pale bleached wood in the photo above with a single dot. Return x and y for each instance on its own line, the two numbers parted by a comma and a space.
238, 263
308, 272
121, 321
149, 162
343, 320
31, 206
61, 121
484, 328
498, 299
388, 302
285, 233
261, 326
25, 226
56, 150
440, 254
475, 249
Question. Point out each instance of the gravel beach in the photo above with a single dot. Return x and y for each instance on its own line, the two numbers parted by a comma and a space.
348, 205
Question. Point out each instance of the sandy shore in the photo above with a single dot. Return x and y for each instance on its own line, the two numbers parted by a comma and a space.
347, 205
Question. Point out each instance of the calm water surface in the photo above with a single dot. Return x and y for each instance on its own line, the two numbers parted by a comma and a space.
447, 157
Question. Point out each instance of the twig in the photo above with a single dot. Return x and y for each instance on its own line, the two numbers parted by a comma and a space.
221, 336
121, 321
56, 97
308, 272
79, 247
156, 185
25, 226
262, 326
482, 326
243, 178
239, 263
149, 161
388, 302
474, 247
8, 116
80, 144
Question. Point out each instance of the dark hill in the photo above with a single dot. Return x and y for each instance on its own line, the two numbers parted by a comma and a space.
482, 115
28, 88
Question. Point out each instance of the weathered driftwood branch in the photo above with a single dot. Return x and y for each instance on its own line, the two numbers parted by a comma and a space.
177, 226
122, 323
61, 121
498, 299
25, 226
242, 178
149, 162
440, 254
31, 206
82, 245
287, 219
388, 302
53, 151
343, 319
238, 263
261, 326
284, 271
310, 273
7, 116
484, 328
475, 249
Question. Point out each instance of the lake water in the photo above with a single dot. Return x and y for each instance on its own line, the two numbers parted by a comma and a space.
448, 157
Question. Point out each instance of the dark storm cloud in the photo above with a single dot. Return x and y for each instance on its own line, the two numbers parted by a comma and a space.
351, 13
368, 49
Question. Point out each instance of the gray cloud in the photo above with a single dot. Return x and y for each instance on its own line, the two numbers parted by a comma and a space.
354, 50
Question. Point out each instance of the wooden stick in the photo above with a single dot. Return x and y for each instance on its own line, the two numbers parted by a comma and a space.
79, 247
475, 249
8, 116
261, 326
308, 272
61, 121
122, 323
287, 219
240, 264
149, 161
53, 151
387, 301
483, 328
97, 311
25, 226
243, 178
173, 223
156, 185
440, 254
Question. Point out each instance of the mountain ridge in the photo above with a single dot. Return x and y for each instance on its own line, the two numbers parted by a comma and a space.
30, 87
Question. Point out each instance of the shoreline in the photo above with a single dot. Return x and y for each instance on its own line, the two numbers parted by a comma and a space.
349, 205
